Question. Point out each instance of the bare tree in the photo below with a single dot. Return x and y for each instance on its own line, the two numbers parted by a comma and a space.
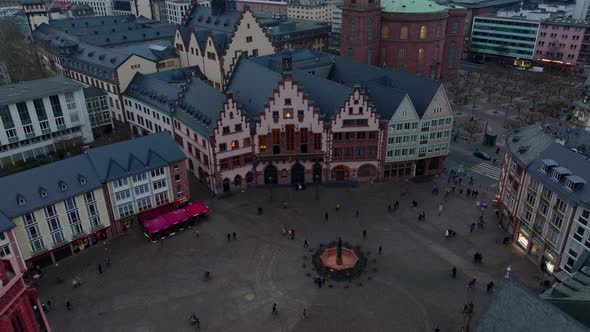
470, 127
17, 54
519, 106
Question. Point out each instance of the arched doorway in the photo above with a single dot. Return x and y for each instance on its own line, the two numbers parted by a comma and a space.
191, 166
367, 171
226, 185
271, 176
420, 167
238, 181
340, 173
297, 174
317, 173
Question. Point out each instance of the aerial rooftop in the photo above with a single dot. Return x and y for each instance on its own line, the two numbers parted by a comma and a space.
45, 87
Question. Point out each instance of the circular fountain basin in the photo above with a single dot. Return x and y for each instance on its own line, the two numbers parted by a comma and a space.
330, 260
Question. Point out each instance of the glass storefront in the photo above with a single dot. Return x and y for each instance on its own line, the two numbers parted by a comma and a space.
523, 241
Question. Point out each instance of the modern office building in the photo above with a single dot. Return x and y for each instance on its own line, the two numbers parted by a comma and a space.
64, 207
504, 37
176, 10
421, 37
544, 199
314, 10
99, 112
286, 33
41, 117
106, 51
337, 20
311, 117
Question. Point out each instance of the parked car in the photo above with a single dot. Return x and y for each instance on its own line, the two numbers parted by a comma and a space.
482, 154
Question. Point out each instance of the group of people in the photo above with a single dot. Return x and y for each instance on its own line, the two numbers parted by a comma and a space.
396, 206
477, 257
290, 233
450, 234
231, 235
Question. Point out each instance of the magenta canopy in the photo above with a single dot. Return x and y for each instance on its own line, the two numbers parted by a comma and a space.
195, 209
172, 218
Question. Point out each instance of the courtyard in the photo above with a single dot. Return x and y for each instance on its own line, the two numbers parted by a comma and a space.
157, 286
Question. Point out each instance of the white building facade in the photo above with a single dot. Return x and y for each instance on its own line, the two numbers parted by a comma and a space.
175, 10
41, 117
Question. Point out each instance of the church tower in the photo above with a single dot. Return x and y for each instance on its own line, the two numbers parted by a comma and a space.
361, 30
36, 12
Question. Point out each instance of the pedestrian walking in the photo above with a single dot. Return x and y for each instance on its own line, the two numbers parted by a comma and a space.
489, 287
497, 150
326, 216
228, 237
434, 189
396, 205
461, 191
68, 305
49, 304
423, 216
305, 245
454, 272
389, 208
468, 192
364, 234
357, 213
437, 330
453, 233
476, 193
440, 209
99, 269
107, 261
275, 311
234, 235
380, 250
471, 227
293, 234
304, 313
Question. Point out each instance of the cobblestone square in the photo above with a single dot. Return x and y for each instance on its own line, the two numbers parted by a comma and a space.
156, 287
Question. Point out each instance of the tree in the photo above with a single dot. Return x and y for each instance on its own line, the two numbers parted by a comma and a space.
490, 88
470, 127
17, 54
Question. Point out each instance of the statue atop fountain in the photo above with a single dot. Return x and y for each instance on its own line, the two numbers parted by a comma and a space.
339, 252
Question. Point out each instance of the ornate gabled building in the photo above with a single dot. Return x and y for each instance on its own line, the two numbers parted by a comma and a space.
310, 117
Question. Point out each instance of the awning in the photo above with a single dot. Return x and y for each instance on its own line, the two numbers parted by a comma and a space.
195, 209
164, 221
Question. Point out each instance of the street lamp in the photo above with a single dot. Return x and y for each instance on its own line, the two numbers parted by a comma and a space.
270, 184
317, 184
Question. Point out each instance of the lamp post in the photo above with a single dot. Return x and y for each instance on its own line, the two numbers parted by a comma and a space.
270, 184
317, 184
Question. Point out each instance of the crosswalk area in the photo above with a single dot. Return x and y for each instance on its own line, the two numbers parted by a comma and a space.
487, 170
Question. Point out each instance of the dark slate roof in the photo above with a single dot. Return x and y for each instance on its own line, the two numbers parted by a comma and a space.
152, 91
511, 303
349, 72
31, 183
177, 76
209, 19
525, 144
5, 223
565, 158
45, 87
325, 95
91, 92
200, 106
572, 295
252, 96
135, 155
385, 99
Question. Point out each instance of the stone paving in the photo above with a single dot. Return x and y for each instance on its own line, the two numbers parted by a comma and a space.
155, 287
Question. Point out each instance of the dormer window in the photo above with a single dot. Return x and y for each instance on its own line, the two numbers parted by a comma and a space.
63, 186
570, 184
21, 200
42, 192
546, 165
82, 179
559, 173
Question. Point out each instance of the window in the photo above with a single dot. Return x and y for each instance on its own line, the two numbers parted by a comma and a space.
557, 220
370, 28
144, 203
235, 145
423, 32
159, 184
70, 101
139, 177
158, 172
546, 193
238, 127
560, 205
385, 31
142, 189
420, 68
248, 39
579, 234
32, 229
401, 58
403, 32
223, 147
122, 195
120, 182
125, 209
451, 57
23, 113
161, 198
74, 217
352, 29
6, 117
530, 198
177, 178
455, 27
40, 109
55, 228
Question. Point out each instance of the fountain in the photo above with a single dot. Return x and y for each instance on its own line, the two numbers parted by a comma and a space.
339, 261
